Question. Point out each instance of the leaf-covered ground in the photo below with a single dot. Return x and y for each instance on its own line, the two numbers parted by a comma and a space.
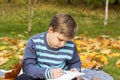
94, 52
11, 51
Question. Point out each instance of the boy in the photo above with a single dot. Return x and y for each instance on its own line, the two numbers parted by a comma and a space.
49, 53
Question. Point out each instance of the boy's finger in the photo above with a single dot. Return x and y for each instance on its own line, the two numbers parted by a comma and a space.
60, 70
73, 69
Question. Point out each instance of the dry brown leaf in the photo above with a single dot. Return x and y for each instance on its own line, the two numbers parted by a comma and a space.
3, 47
14, 41
118, 63
3, 60
6, 79
98, 65
114, 55
2, 54
21, 44
16, 70
19, 56
106, 51
5, 53
13, 47
5, 39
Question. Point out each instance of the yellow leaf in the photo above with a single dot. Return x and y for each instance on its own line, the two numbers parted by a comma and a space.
19, 56
106, 51
82, 57
5, 39
14, 48
102, 58
21, 44
14, 41
3, 47
118, 63
3, 60
2, 54
114, 55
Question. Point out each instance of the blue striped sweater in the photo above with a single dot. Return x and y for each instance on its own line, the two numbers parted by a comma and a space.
40, 59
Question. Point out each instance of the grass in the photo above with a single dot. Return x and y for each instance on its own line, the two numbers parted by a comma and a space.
91, 23
112, 71
13, 21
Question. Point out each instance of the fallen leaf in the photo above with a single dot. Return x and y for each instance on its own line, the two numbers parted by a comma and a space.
2, 48
3, 60
114, 55
106, 51
5, 39
118, 63
14, 41
16, 70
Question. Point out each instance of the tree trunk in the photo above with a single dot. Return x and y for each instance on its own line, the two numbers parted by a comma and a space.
106, 12
29, 17
31, 8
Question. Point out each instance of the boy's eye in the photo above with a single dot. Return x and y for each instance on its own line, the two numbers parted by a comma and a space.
60, 40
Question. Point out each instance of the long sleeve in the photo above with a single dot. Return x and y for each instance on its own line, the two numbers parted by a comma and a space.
75, 61
30, 66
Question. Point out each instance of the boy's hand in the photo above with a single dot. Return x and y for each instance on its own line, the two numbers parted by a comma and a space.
57, 72
75, 70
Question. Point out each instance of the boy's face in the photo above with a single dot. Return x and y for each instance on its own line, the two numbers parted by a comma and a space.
55, 39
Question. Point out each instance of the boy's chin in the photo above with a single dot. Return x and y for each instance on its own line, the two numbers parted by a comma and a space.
56, 47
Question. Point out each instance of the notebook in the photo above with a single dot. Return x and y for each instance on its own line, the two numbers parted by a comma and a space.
68, 75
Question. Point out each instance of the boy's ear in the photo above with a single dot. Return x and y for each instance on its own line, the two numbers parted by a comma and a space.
50, 29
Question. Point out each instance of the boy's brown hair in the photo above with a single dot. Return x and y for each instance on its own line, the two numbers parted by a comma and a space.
64, 24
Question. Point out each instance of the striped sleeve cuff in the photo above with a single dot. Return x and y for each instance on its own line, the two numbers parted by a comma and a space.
48, 73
